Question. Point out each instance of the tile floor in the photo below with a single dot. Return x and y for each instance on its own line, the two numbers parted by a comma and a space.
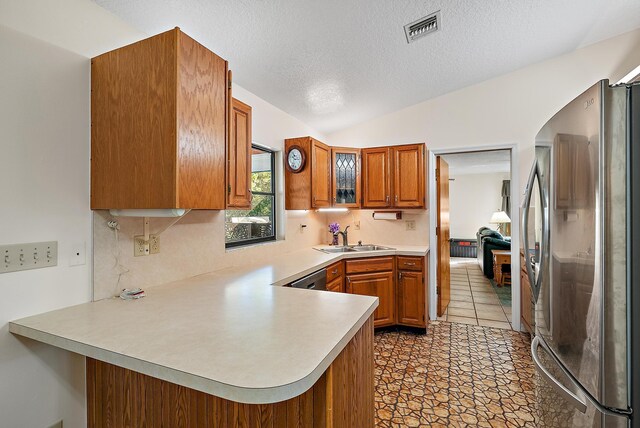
473, 300
457, 375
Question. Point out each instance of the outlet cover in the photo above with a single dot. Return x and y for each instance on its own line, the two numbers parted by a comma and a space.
78, 254
411, 224
154, 244
140, 246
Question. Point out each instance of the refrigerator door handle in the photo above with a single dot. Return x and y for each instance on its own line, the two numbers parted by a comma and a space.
578, 402
525, 226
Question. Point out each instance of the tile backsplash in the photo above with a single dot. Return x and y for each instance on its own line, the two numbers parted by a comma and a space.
192, 246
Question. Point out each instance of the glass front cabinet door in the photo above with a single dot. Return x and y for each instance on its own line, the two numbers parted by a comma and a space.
346, 177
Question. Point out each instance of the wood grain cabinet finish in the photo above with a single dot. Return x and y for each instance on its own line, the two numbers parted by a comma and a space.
408, 177
311, 187
411, 292
369, 264
376, 177
345, 185
335, 277
573, 169
320, 174
393, 177
381, 285
159, 117
239, 156
343, 397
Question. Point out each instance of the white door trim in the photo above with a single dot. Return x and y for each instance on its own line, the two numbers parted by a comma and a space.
515, 227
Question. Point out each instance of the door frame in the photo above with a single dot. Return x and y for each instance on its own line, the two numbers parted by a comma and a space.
515, 225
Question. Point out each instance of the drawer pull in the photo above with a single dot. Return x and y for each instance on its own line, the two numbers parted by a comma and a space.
410, 263
335, 271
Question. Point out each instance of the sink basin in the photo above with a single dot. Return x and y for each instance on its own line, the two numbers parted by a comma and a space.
370, 248
336, 250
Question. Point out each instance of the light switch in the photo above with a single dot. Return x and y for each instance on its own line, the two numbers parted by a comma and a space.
34, 255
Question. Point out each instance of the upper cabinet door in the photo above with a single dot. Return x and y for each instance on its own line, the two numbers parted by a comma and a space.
409, 171
376, 178
239, 156
320, 175
159, 113
346, 177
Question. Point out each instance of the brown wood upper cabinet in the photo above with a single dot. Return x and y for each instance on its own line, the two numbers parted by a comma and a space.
159, 117
346, 177
393, 177
310, 187
239, 156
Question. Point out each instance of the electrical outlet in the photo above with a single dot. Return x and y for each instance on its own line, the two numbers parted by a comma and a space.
411, 224
154, 244
140, 246
78, 255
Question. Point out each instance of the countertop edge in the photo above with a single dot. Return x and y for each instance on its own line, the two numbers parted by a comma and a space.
209, 386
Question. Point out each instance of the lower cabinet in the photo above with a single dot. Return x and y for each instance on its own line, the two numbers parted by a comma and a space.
380, 285
335, 277
399, 284
411, 298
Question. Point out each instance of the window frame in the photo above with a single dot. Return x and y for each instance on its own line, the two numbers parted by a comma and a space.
254, 241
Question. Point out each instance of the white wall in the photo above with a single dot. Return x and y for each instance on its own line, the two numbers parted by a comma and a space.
44, 168
473, 198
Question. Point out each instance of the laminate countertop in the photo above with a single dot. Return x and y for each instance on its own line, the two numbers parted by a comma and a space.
229, 333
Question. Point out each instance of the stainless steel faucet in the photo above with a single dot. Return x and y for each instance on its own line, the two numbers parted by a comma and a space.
345, 237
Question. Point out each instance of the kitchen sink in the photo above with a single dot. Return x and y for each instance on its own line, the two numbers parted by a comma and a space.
336, 250
371, 248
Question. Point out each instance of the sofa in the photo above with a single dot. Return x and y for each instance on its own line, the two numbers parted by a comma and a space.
489, 239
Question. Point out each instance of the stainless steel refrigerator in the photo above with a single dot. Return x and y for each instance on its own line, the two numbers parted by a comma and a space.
581, 233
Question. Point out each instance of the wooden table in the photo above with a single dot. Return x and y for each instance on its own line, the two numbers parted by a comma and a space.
500, 257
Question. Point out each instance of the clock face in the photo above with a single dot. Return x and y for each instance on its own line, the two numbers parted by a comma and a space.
295, 159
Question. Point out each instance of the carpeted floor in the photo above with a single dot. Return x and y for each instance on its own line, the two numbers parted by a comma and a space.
457, 375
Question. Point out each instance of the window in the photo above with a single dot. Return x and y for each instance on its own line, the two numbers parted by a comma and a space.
258, 224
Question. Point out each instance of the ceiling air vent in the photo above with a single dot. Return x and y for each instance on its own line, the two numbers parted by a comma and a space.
422, 27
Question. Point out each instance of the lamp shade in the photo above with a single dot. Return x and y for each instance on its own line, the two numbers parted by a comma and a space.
500, 217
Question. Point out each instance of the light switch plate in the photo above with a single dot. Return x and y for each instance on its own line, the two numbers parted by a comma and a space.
411, 224
34, 255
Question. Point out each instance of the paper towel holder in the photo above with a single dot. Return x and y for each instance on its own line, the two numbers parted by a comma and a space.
387, 215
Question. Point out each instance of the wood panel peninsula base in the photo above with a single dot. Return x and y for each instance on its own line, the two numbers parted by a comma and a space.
342, 397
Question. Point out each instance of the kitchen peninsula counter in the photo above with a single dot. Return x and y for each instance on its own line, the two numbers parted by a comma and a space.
229, 334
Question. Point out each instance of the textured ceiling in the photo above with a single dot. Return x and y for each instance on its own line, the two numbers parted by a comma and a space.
478, 162
335, 63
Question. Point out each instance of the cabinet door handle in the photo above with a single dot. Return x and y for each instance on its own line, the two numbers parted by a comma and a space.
396, 199
387, 199
400, 276
250, 196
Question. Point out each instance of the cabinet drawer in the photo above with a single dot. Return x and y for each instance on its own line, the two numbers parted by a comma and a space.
370, 264
334, 271
336, 285
410, 263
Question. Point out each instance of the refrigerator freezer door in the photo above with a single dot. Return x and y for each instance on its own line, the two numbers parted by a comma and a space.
561, 402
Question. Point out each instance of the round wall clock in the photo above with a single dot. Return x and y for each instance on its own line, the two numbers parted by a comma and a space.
295, 159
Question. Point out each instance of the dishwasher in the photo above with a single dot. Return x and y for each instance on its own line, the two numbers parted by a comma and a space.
315, 281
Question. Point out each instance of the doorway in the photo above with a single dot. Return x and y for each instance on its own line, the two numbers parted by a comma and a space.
475, 223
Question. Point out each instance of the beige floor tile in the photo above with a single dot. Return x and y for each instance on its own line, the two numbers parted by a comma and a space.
491, 315
462, 298
487, 307
506, 309
495, 324
460, 304
462, 320
490, 300
462, 312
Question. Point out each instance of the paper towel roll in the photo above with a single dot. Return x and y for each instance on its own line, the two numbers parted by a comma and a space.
394, 215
